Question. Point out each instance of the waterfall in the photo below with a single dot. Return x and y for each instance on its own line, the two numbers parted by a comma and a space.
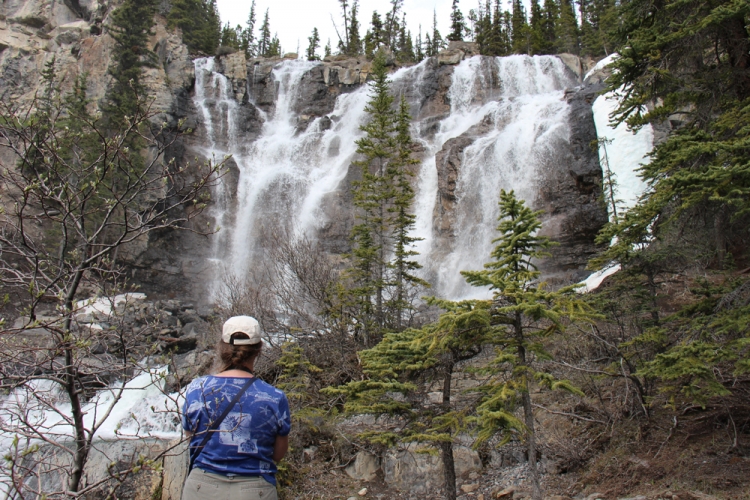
511, 111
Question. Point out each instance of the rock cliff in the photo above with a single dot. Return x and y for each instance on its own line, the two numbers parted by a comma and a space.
565, 183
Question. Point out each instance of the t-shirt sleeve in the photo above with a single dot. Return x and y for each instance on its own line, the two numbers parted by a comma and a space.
285, 417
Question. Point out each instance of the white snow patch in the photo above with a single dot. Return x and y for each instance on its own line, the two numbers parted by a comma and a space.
601, 65
106, 305
624, 151
595, 280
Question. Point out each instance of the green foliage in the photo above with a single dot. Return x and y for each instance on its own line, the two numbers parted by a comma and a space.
296, 374
381, 275
458, 25
312, 49
130, 28
199, 22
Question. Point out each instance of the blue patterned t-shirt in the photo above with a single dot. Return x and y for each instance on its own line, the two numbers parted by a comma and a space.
243, 444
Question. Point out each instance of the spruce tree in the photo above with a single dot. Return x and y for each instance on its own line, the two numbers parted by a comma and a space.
458, 25
436, 39
419, 46
404, 282
374, 36
551, 15
199, 22
520, 35
566, 29
130, 28
372, 195
248, 34
523, 313
264, 37
314, 44
354, 47
536, 29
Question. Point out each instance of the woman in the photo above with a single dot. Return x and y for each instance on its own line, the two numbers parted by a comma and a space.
239, 425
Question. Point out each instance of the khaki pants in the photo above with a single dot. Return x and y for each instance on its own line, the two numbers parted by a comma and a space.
202, 485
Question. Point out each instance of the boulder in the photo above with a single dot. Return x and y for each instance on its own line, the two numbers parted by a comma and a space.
176, 462
450, 57
412, 470
573, 63
365, 467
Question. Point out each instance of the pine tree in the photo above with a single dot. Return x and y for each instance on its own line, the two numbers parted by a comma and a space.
536, 28
248, 34
372, 194
458, 25
327, 50
523, 312
566, 29
436, 39
419, 46
264, 38
406, 363
404, 281
274, 48
230, 37
405, 47
520, 35
130, 28
354, 47
312, 48
551, 15
391, 27
374, 36
199, 22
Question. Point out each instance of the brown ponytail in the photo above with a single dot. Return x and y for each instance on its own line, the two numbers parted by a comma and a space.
236, 357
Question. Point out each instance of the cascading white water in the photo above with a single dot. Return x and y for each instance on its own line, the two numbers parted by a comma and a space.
516, 131
512, 108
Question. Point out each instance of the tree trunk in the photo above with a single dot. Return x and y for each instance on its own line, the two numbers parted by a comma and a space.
528, 413
446, 448
72, 390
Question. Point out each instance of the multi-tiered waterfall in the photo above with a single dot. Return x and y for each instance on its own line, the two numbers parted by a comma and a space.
505, 120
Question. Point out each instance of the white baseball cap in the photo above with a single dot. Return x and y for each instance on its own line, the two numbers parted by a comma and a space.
241, 324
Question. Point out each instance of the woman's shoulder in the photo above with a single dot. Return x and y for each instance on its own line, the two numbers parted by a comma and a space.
267, 388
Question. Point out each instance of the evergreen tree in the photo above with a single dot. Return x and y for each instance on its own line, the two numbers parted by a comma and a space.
483, 29
428, 46
230, 37
312, 48
550, 21
372, 196
354, 47
248, 34
404, 282
264, 38
689, 56
199, 22
536, 29
566, 29
405, 47
374, 36
520, 35
130, 28
436, 39
327, 50
391, 27
523, 312
406, 363
274, 48
458, 25
419, 46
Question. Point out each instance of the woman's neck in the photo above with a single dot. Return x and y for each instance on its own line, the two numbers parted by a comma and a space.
238, 373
